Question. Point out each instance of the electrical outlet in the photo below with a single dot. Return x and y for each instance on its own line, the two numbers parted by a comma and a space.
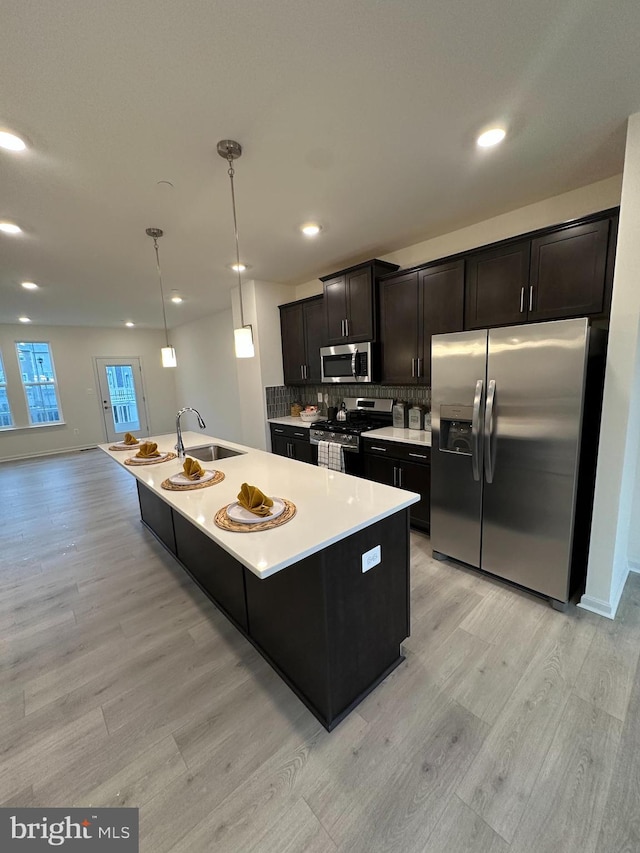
371, 558
319, 396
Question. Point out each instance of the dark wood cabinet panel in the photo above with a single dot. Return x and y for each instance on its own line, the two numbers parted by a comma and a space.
497, 286
441, 308
302, 332
380, 469
399, 328
279, 443
217, 572
417, 478
568, 268
157, 515
293, 443
360, 316
314, 319
335, 300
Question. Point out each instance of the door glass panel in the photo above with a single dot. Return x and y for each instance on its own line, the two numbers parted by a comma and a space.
122, 397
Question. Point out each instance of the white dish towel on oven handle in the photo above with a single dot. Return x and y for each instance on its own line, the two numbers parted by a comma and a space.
331, 456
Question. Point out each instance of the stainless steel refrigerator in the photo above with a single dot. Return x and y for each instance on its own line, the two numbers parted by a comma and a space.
515, 415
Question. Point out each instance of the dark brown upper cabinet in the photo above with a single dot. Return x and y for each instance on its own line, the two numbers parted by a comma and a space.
302, 329
413, 307
350, 302
497, 286
564, 272
568, 272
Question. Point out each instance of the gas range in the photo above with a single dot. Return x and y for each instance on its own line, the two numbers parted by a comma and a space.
363, 414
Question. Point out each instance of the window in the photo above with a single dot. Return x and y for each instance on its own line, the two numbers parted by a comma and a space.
5, 412
39, 381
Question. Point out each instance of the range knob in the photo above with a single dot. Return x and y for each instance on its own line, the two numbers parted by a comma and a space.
333, 435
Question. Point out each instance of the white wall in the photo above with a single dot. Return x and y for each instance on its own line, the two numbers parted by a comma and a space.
634, 532
74, 349
206, 374
551, 211
616, 480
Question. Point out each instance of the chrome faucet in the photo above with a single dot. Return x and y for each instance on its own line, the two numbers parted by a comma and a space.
180, 443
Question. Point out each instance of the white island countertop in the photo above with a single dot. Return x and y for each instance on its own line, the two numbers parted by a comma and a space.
330, 506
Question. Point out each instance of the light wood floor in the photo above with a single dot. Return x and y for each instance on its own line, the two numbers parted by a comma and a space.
509, 727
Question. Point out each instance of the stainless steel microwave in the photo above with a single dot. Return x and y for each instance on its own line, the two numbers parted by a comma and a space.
348, 363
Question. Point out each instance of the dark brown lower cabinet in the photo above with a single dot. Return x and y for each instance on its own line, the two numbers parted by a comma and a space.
293, 443
405, 466
332, 631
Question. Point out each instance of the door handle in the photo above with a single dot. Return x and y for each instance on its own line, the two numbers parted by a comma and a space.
381, 449
531, 298
476, 447
419, 367
418, 455
488, 432
354, 356
522, 300
399, 477
395, 475
346, 327
302, 371
413, 368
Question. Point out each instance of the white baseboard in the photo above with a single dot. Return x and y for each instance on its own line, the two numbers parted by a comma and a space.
48, 453
634, 566
605, 608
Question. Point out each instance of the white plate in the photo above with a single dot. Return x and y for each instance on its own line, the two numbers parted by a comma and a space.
239, 513
124, 444
182, 480
140, 461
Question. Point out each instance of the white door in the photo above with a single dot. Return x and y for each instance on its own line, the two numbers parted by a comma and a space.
122, 397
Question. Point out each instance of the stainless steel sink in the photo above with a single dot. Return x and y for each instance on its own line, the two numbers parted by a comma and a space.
211, 452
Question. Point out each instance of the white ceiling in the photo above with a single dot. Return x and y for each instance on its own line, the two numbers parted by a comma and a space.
360, 114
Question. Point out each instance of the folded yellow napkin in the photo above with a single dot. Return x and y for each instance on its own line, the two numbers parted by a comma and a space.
148, 450
130, 439
192, 469
254, 500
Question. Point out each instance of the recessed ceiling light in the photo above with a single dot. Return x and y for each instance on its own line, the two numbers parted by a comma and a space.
177, 299
239, 267
11, 142
311, 229
130, 325
29, 285
491, 137
24, 319
10, 228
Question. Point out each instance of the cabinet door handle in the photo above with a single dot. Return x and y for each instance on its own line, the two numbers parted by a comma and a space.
381, 449
522, 300
400, 478
413, 368
302, 371
418, 455
531, 298
346, 328
419, 367
395, 475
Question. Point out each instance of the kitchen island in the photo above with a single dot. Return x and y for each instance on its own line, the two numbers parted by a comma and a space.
311, 594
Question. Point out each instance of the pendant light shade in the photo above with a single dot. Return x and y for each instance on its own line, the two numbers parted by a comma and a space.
243, 336
167, 352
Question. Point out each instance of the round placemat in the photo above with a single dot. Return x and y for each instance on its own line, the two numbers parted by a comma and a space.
223, 521
188, 487
134, 461
129, 447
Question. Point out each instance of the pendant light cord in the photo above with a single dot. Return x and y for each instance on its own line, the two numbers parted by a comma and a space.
164, 312
231, 173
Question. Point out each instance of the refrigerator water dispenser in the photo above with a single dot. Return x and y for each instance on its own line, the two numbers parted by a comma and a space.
455, 429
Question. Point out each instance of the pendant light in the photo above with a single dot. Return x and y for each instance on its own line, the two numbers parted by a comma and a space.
168, 352
243, 336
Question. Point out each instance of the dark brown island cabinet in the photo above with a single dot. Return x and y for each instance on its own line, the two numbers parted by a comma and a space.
560, 273
350, 302
413, 307
329, 626
406, 466
302, 326
293, 442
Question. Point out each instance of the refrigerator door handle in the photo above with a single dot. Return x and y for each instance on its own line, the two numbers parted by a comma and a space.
476, 447
488, 432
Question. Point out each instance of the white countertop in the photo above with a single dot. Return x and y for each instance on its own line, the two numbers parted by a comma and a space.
330, 505
421, 437
289, 421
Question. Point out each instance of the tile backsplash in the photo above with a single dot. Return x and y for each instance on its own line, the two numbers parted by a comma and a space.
279, 398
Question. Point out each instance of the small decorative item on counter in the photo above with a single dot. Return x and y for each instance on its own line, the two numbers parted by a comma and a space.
309, 414
415, 417
252, 499
400, 415
192, 469
130, 439
148, 450
427, 420
342, 412
296, 408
